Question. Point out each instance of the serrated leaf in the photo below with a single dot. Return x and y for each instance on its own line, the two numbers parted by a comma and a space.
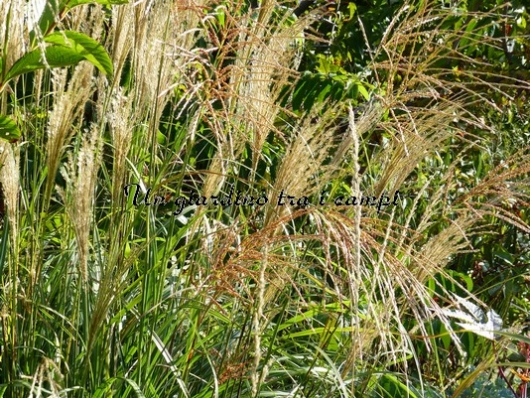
8, 128
85, 46
55, 56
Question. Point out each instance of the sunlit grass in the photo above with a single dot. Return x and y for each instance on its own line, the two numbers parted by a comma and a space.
101, 297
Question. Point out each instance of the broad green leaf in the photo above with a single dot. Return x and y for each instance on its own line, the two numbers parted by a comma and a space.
363, 91
85, 46
8, 128
55, 57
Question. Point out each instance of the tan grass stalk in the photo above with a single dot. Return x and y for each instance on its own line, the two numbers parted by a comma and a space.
258, 318
121, 44
89, 19
68, 107
155, 30
80, 176
414, 137
505, 184
302, 171
46, 380
271, 56
415, 134
355, 265
10, 183
13, 37
9, 178
262, 66
152, 35
121, 122
368, 120
415, 45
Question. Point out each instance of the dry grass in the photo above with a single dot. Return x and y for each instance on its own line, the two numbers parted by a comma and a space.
237, 299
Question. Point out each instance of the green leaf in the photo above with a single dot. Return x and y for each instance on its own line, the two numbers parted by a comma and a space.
363, 91
55, 57
220, 14
85, 46
352, 7
8, 128
392, 387
104, 390
300, 93
70, 48
325, 90
469, 34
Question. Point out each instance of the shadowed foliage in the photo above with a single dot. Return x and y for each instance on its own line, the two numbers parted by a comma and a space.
277, 199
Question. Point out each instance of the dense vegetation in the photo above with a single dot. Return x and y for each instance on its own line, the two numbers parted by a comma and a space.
264, 199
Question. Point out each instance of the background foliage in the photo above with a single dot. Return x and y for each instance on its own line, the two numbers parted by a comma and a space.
120, 120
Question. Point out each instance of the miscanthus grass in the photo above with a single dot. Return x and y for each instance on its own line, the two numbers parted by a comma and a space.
100, 297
